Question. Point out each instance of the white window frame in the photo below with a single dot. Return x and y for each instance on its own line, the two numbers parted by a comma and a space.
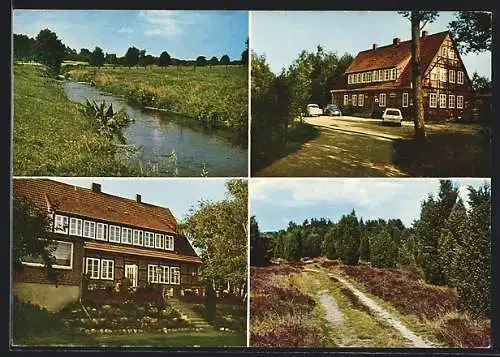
451, 76
354, 100
375, 76
105, 271
61, 224
75, 231
387, 74
115, 237
349, 79
444, 52
443, 75
126, 235
97, 274
369, 76
382, 103
163, 274
149, 239
405, 100
442, 100
451, 53
346, 99
451, 101
104, 230
393, 73
361, 100
56, 266
152, 273
432, 99
159, 241
175, 275
359, 78
138, 237
380, 75
460, 101
169, 242
460, 77
91, 229
434, 74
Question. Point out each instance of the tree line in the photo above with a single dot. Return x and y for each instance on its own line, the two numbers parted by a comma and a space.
450, 243
48, 49
278, 99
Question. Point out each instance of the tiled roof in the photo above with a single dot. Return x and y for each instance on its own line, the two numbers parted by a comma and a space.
391, 55
81, 201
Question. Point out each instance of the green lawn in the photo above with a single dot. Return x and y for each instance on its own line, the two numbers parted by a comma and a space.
208, 338
197, 92
51, 137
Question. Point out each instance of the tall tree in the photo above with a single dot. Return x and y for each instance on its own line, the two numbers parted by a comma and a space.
418, 20
260, 252
111, 59
132, 56
472, 31
24, 47
50, 50
201, 61
244, 54
348, 238
383, 250
225, 60
213, 61
141, 60
97, 58
164, 60
481, 84
84, 55
30, 237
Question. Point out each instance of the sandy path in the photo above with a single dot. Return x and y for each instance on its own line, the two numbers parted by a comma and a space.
333, 313
415, 341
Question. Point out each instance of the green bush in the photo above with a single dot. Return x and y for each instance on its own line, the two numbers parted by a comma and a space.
29, 319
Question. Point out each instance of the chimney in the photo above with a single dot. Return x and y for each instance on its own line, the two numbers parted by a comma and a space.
374, 46
424, 34
138, 198
96, 187
396, 41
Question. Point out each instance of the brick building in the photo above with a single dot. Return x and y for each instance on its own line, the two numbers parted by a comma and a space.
102, 239
381, 77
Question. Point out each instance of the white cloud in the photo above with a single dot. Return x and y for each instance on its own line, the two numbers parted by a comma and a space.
166, 22
126, 30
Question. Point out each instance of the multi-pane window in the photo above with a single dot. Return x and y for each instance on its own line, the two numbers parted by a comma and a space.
434, 74
75, 226
393, 73
152, 273
380, 75
442, 101
387, 73
451, 53
169, 242
451, 101
61, 224
381, 100
369, 76
433, 100
444, 51
149, 239
61, 251
460, 77
114, 233
126, 235
159, 241
361, 100
175, 275
163, 274
451, 76
405, 99
92, 268
359, 78
460, 101
107, 269
443, 74
349, 79
375, 76
89, 229
101, 231
138, 237
354, 99
346, 99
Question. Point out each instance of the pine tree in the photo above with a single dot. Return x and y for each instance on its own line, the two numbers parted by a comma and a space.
348, 239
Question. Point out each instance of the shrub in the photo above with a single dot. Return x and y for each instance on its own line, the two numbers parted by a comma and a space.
461, 331
292, 333
29, 319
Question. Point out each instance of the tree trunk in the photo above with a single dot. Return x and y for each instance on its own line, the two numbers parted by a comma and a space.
418, 100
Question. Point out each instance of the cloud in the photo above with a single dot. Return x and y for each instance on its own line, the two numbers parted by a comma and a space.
166, 22
126, 30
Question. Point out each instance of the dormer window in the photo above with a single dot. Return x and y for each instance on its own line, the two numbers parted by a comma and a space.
114, 233
393, 73
101, 231
159, 241
89, 229
169, 243
375, 76
75, 226
61, 224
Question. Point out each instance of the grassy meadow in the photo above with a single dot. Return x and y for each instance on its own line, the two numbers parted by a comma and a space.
205, 93
51, 136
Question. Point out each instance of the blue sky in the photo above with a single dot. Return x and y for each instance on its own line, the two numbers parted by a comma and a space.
183, 34
275, 202
282, 35
179, 195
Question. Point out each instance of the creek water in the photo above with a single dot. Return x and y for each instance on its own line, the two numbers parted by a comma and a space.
158, 133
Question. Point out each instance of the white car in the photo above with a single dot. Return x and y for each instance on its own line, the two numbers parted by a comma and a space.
392, 115
314, 110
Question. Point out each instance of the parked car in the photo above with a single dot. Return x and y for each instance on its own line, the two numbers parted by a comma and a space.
314, 110
332, 110
392, 115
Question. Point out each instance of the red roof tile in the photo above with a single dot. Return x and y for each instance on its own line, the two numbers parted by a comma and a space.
392, 55
81, 201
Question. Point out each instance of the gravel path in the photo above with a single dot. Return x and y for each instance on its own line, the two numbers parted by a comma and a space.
415, 341
333, 313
